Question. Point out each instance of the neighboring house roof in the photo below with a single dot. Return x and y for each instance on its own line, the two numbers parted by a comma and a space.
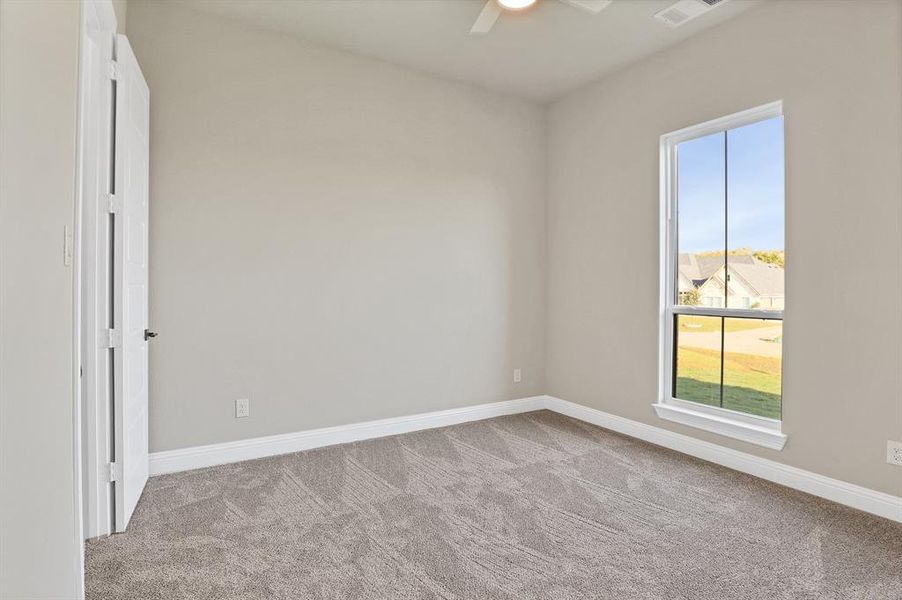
699, 268
764, 279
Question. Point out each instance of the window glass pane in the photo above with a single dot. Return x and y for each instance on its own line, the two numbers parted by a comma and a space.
755, 215
701, 220
697, 356
752, 366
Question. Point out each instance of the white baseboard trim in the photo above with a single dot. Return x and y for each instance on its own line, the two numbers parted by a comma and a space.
878, 503
185, 459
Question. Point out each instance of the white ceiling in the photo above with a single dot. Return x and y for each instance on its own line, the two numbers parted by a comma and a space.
540, 53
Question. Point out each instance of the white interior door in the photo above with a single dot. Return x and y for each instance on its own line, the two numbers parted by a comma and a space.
130, 282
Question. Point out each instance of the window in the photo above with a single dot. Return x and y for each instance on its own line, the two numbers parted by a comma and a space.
722, 276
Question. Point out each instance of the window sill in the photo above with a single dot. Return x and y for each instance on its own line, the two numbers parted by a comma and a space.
722, 425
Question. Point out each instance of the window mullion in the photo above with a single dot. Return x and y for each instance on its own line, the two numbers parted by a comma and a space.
723, 327
726, 230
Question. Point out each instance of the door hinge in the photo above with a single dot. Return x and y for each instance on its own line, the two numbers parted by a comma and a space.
110, 338
114, 472
114, 70
113, 204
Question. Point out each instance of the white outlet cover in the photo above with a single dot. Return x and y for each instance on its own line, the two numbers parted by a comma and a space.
242, 408
894, 453
517, 376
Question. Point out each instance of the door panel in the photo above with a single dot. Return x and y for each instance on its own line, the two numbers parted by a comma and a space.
130, 290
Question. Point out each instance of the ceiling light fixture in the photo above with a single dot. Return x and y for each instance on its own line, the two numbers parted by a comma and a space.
492, 9
516, 4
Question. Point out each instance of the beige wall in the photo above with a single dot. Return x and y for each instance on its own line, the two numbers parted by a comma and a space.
39, 552
838, 68
335, 238
340, 240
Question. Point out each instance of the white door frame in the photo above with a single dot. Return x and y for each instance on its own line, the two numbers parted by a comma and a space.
91, 278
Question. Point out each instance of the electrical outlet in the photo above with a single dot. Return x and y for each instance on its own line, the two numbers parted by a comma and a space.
894, 453
242, 408
517, 376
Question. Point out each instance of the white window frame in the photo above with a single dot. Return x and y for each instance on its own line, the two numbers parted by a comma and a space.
742, 426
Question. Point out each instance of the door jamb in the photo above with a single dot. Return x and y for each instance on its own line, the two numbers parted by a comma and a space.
93, 427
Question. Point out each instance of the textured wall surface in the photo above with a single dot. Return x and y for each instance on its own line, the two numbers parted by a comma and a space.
837, 66
334, 238
39, 549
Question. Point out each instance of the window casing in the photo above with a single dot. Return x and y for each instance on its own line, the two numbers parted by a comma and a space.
728, 407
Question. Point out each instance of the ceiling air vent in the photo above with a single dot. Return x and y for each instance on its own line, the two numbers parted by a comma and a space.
685, 10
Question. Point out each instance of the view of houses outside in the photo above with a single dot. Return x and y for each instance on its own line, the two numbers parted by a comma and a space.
747, 279
731, 196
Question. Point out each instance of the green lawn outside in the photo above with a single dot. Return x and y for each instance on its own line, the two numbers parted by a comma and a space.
752, 384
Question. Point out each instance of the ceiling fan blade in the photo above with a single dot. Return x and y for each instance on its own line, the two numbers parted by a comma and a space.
593, 6
486, 19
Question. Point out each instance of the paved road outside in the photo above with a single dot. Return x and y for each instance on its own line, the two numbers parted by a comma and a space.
749, 341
